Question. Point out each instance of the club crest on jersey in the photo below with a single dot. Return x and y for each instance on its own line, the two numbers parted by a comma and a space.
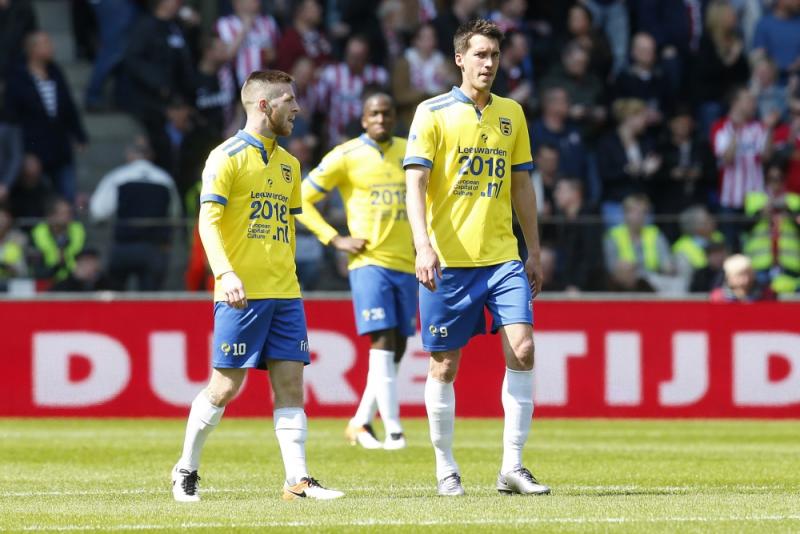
505, 126
286, 172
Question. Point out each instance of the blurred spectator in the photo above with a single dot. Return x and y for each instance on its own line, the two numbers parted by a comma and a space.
778, 37
771, 98
17, 19
215, 88
10, 157
341, 86
158, 63
612, 16
625, 278
740, 145
626, 160
721, 63
31, 192
310, 252
515, 76
585, 90
251, 38
510, 15
87, 275
39, 99
643, 80
699, 232
712, 276
448, 21
12, 249
740, 283
181, 145
555, 128
394, 28
787, 145
580, 29
198, 276
305, 91
544, 176
56, 242
84, 29
677, 28
548, 261
578, 242
643, 245
303, 37
773, 242
144, 204
362, 17
421, 73
748, 12
687, 172
114, 19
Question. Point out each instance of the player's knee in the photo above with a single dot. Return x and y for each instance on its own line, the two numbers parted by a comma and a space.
524, 354
288, 391
220, 394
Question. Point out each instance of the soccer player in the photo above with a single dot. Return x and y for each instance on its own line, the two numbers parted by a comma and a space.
249, 197
467, 162
369, 173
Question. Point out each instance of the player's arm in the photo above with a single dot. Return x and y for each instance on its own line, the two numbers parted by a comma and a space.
312, 219
330, 172
523, 198
427, 262
217, 178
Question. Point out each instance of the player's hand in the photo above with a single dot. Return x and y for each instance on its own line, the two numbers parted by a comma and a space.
533, 268
428, 267
352, 245
234, 290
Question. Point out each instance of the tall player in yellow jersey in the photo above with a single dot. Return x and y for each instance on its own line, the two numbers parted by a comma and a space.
467, 163
368, 171
249, 196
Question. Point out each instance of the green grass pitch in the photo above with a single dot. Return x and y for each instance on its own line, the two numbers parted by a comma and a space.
607, 476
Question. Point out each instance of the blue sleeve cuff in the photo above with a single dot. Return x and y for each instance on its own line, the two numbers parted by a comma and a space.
295, 211
416, 160
316, 186
522, 167
214, 198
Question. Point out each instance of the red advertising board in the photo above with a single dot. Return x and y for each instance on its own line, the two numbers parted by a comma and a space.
593, 359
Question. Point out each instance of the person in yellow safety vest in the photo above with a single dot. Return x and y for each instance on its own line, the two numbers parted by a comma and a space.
12, 249
699, 231
57, 241
643, 245
773, 243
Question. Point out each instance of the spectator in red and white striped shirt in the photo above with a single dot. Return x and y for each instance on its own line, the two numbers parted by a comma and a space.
251, 37
341, 86
741, 143
303, 37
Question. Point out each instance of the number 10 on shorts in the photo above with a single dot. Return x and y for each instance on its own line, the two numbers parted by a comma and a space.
440, 331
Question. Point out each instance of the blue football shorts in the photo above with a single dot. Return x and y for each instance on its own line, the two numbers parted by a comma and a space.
453, 313
384, 299
272, 329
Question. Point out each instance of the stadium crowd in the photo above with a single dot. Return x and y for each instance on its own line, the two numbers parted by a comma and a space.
666, 133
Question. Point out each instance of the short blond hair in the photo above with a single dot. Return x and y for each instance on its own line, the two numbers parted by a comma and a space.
263, 79
736, 264
625, 108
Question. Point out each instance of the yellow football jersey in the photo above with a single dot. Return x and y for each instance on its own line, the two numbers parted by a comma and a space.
257, 185
371, 180
471, 155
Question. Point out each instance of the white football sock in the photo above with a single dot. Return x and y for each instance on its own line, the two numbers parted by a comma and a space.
383, 384
440, 403
291, 430
367, 408
517, 399
203, 418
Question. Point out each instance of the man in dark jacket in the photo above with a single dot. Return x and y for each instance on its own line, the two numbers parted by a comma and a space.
38, 98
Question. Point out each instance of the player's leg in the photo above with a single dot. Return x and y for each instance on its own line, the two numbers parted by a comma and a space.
440, 404
286, 354
450, 316
511, 307
359, 430
383, 383
239, 336
204, 416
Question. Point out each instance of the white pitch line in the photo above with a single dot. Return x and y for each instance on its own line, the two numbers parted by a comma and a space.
380, 522
560, 489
